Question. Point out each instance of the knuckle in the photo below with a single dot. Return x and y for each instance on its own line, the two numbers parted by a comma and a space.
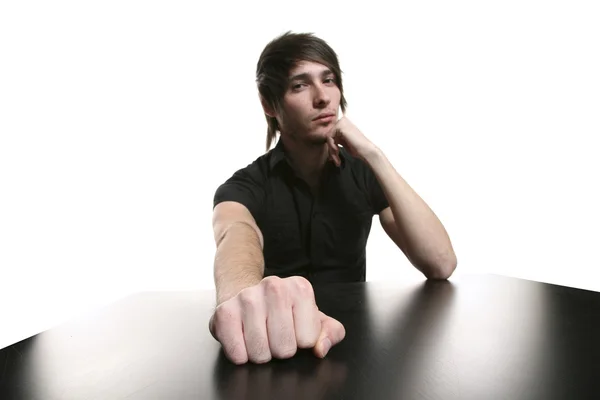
223, 315
248, 299
261, 360
306, 343
235, 353
224, 311
261, 356
258, 349
303, 286
271, 279
274, 287
308, 339
284, 352
239, 360
283, 343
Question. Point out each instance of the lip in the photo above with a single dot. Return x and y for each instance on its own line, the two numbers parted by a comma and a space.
324, 117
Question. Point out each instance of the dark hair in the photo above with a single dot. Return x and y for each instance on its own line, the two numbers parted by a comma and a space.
276, 61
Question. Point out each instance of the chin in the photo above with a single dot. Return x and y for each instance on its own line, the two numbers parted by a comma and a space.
325, 132
315, 137
318, 138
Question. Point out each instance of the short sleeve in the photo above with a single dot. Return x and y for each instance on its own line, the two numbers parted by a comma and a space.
375, 192
243, 187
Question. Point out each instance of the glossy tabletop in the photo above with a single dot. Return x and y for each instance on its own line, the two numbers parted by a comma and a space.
475, 337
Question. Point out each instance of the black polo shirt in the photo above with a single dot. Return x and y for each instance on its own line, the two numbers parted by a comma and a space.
322, 238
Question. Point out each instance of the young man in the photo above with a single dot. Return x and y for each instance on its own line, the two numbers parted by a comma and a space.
301, 213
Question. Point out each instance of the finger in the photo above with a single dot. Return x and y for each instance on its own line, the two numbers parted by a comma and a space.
280, 321
254, 326
333, 151
331, 144
337, 160
332, 332
226, 325
307, 324
339, 140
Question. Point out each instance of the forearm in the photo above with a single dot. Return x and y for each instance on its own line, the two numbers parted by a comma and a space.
239, 261
427, 243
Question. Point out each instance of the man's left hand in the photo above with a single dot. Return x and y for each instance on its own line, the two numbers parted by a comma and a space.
351, 138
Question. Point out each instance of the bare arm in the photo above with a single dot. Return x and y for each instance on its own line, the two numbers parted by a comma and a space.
411, 224
239, 261
257, 319
409, 221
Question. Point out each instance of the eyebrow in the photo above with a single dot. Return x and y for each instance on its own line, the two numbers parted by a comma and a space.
306, 75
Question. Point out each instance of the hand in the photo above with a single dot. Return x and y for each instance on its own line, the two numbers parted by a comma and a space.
274, 319
351, 138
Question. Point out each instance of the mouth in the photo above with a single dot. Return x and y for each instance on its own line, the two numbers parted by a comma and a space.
324, 117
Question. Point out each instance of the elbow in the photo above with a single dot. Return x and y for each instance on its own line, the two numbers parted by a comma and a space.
442, 269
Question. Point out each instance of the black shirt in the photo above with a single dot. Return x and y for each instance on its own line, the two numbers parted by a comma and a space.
322, 238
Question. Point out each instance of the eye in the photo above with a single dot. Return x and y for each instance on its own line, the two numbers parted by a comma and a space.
329, 80
297, 86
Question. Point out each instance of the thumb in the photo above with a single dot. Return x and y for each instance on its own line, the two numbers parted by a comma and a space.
332, 332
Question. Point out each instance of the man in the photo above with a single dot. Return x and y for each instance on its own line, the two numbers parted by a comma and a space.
301, 214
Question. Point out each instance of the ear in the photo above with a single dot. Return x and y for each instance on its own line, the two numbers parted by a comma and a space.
268, 110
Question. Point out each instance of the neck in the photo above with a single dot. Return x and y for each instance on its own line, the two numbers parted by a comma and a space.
307, 159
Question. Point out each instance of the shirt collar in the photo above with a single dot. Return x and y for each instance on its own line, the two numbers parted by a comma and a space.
278, 154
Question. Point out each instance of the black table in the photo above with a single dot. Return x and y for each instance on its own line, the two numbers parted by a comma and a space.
479, 337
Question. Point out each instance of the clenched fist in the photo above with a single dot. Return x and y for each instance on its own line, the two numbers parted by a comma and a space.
273, 319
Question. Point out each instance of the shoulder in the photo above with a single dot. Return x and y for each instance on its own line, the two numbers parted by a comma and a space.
256, 171
246, 185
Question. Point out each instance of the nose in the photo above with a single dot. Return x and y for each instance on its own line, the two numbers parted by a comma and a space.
320, 98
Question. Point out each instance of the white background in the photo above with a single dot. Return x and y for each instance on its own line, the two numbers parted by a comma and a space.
119, 119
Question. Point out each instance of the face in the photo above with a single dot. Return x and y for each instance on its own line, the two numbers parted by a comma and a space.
310, 104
